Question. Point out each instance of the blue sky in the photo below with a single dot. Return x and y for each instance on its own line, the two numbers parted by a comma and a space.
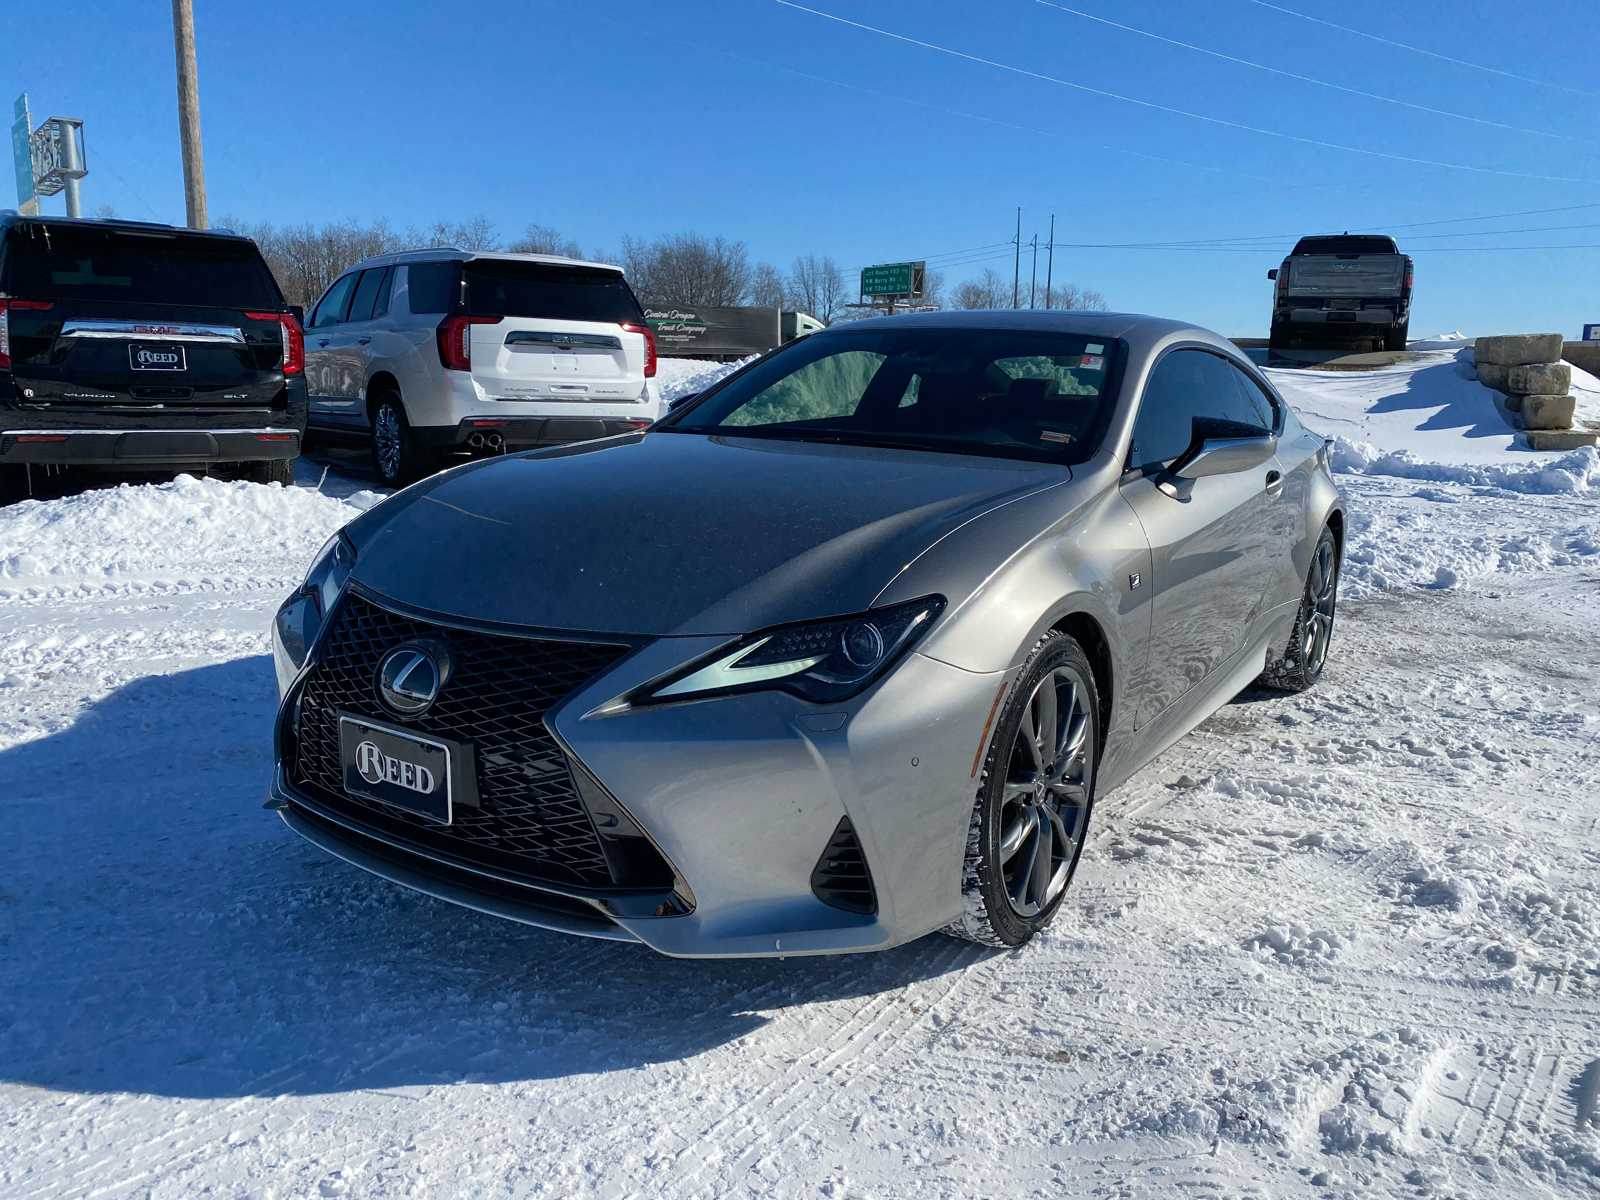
798, 133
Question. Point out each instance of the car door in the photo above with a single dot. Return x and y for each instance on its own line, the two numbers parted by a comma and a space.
325, 342
1211, 545
357, 329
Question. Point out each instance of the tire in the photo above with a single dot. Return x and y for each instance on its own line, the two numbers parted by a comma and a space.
13, 483
1302, 663
271, 470
1012, 893
1395, 338
1278, 338
399, 457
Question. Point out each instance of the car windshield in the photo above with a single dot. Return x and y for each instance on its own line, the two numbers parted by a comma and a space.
79, 262
998, 393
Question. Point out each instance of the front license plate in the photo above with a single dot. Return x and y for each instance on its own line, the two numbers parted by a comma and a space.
156, 356
406, 771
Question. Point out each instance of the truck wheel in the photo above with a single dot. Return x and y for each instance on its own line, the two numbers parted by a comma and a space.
1278, 338
1395, 338
401, 459
271, 470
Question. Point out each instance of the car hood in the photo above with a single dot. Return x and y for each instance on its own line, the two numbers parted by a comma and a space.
676, 533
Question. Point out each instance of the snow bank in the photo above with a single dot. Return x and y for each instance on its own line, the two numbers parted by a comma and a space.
1577, 471
684, 376
187, 535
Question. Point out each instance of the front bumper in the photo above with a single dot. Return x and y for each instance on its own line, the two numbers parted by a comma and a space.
741, 796
147, 447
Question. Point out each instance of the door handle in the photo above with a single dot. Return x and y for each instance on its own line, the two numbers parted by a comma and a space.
1274, 483
362, 341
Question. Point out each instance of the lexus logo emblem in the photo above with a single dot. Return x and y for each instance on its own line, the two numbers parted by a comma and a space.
410, 677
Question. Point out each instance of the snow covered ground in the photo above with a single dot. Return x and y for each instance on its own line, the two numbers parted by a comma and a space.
1339, 944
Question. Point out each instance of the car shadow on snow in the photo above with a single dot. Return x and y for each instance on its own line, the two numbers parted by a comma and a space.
164, 934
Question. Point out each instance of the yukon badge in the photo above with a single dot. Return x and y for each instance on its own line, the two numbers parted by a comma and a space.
411, 676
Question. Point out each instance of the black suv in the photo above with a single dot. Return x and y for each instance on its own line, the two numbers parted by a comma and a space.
1342, 287
143, 347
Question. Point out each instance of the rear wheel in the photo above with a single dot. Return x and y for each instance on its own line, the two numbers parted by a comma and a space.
1034, 801
1278, 338
271, 470
13, 483
1301, 665
400, 458
1395, 338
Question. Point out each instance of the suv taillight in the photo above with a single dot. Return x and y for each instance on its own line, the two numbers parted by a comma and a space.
294, 340
649, 347
1409, 269
455, 340
5, 325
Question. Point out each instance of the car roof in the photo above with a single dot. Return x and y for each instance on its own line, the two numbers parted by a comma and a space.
1346, 243
11, 217
1140, 331
452, 254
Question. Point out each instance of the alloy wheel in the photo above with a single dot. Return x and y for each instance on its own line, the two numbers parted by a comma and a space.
1045, 797
1321, 592
386, 436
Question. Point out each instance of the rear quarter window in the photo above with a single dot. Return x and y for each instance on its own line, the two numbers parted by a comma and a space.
433, 287
83, 262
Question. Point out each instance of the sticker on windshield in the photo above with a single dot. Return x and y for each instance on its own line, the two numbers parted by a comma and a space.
1095, 349
1092, 362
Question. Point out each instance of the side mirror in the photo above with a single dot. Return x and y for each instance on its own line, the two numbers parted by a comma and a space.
1272, 274
299, 311
1217, 447
675, 405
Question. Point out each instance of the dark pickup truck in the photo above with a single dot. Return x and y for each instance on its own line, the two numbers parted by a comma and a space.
142, 347
1348, 287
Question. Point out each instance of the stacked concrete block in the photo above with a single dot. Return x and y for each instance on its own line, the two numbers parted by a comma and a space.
1527, 367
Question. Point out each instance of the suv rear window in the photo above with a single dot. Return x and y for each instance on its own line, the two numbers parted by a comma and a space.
500, 288
77, 262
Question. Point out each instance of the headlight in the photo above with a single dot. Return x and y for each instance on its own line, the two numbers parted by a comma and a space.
822, 661
300, 618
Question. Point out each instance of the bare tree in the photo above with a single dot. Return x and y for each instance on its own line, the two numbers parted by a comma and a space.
988, 290
816, 286
933, 288
476, 234
305, 259
768, 288
541, 239
687, 268
1070, 296
104, 213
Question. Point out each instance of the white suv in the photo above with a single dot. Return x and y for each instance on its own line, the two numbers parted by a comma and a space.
430, 353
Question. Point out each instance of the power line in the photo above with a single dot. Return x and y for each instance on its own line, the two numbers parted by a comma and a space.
989, 62
1460, 62
1338, 87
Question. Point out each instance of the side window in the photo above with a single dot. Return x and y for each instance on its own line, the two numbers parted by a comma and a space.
366, 292
1184, 385
337, 298
433, 287
380, 305
1258, 402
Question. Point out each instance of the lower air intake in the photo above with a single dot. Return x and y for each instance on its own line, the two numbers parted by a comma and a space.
840, 878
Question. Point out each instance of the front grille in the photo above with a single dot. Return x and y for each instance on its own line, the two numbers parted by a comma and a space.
531, 821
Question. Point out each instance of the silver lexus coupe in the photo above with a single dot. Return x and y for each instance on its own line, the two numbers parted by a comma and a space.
836, 654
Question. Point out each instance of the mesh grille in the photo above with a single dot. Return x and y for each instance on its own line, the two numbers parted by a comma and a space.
531, 821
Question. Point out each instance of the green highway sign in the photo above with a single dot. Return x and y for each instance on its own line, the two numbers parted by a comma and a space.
892, 279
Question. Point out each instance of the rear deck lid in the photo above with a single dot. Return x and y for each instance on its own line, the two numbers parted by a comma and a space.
556, 331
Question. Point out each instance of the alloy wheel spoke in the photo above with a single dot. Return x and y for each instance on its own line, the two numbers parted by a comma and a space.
1044, 721
1043, 863
1017, 832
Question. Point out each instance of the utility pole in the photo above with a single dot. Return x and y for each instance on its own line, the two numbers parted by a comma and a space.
1033, 282
1016, 273
1050, 261
194, 170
